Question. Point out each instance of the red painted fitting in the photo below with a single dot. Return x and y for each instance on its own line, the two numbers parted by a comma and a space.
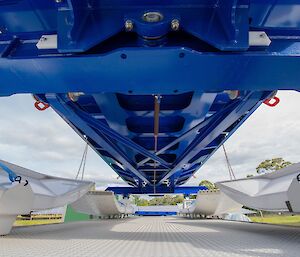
41, 106
272, 102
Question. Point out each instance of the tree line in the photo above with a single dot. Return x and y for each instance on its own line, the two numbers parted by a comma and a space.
165, 200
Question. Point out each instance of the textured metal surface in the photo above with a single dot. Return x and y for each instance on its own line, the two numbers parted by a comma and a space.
153, 237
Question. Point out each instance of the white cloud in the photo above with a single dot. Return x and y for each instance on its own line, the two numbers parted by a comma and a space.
42, 141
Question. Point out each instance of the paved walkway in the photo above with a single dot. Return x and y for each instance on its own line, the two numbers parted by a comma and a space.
153, 237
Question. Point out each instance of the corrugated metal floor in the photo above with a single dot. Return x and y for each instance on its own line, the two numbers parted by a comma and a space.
153, 237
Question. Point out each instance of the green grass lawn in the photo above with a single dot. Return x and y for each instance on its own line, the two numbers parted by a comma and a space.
278, 219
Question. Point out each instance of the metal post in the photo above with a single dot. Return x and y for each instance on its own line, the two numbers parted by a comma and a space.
156, 131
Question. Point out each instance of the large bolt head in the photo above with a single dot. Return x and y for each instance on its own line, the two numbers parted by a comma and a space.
152, 17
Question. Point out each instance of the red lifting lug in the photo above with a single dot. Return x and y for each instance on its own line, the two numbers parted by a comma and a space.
272, 102
41, 106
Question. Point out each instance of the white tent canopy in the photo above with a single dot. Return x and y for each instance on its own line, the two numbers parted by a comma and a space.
211, 202
102, 203
34, 191
276, 191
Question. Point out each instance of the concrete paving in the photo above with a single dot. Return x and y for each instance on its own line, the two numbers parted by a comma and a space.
153, 237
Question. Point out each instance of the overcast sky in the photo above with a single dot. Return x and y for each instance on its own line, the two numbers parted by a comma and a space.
42, 141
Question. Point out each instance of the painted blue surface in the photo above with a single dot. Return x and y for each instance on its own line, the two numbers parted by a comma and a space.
155, 213
119, 72
185, 190
10, 173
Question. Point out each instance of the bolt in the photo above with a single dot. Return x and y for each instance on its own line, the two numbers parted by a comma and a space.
175, 25
232, 94
73, 96
128, 25
152, 17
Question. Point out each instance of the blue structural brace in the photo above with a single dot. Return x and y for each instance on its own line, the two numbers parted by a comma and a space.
100, 64
155, 213
185, 190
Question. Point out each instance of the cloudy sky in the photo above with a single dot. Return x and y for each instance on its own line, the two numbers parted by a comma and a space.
42, 141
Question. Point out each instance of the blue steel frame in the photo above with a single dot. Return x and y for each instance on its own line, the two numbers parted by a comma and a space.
117, 72
185, 190
155, 213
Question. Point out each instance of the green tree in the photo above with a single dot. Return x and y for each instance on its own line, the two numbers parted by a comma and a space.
140, 201
143, 202
207, 184
166, 200
272, 165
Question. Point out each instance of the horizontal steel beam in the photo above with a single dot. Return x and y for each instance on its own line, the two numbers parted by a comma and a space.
186, 190
113, 72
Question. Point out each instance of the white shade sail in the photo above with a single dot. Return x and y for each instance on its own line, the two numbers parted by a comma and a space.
212, 202
275, 191
34, 191
102, 203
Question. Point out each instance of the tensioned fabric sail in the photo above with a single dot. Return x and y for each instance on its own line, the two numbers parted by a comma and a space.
34, 191
102, 203
275, 191
212, 202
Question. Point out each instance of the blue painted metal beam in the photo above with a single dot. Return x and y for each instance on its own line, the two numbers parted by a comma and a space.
155, 213
189, 133
217, 126
115, 135
249, 113
62, 108
81, 25
189, 190
190, 67
186, 190
258, 70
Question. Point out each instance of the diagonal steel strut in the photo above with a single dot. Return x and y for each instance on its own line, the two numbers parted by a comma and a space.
121, 139
60, 106
215, 127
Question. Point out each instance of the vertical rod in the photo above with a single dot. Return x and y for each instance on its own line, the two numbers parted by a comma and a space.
230, 170
156, 131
